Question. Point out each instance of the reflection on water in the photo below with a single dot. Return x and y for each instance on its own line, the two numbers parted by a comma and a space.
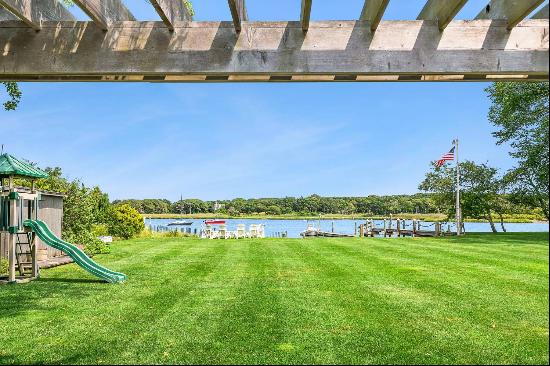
294, 227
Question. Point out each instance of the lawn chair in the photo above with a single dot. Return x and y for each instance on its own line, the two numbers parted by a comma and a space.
261, 231
207, 233
241, 231
222, 232
253, 231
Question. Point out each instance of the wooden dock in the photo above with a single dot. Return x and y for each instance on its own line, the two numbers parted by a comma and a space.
401, 228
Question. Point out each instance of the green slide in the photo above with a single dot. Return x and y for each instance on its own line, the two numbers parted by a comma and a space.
79, 257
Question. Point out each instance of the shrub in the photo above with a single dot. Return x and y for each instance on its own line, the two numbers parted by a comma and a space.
100, 230
3, 266
92, 245
125, 222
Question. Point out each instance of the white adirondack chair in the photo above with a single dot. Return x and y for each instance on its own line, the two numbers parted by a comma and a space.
253, 231
261, 231
222, 232
241, 231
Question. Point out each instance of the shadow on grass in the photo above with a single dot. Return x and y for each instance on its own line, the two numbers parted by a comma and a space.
22, 298
71, 280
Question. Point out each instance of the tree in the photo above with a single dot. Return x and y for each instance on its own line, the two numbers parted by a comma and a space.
14, 94
480, 187
520, 112
125, 222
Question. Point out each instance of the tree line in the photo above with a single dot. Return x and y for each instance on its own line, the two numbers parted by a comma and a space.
420, 203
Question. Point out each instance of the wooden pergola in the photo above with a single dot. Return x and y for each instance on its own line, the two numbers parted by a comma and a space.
40, 40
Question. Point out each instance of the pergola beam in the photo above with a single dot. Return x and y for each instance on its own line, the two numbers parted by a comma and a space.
542, 13
34, 12
513, 11
105, 12
171, 11
305, 14
238, 13
442, 11
373, 11
275, 51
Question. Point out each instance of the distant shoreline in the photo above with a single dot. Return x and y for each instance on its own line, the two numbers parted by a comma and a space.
424, 217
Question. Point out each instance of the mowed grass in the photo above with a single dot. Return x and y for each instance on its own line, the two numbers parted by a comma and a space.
478, 299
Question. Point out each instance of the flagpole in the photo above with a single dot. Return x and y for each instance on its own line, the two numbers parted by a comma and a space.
458, 213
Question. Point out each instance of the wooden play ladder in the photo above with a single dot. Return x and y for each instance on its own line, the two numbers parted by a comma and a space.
23, 252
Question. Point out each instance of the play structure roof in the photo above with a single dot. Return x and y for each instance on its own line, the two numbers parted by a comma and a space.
10, 165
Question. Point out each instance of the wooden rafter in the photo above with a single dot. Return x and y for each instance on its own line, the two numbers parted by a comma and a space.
275, 51
305, 14
442, 11
34, 12
542, 13
513, 11
373, 11
171, 11
238, 13
105, 12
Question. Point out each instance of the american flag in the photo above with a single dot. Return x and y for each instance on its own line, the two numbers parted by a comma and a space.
450, 156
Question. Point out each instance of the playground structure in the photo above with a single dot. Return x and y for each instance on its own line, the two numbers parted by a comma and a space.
19, 221
404, 228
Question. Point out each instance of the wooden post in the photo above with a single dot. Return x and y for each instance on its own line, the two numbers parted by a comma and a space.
384, 228
398, 228
12, 236
437, 231
414, 228
361, 230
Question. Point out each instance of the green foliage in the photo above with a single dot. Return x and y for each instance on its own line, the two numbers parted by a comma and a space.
520, 113
14, 93
125, 222
100, 230
4, 266
92, 245
480, 188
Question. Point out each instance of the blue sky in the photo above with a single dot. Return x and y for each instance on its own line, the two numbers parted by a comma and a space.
220, 141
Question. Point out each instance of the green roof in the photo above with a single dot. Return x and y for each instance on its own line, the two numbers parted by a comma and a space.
10, 165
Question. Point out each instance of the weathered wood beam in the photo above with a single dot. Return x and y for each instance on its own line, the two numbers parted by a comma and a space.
305, 14
542, 13
513, 11
238, 13
334, 50
171, 11
442, 11
105, 12
34, 12
373, 11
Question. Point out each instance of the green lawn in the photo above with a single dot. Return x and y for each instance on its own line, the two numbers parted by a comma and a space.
478, 299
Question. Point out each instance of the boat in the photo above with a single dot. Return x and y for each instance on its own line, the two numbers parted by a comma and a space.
312, 231
214, 222
180, 223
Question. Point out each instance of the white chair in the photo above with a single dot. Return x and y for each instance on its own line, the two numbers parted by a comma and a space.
253, 231
207, 233
241, 231
261, 231
222, 232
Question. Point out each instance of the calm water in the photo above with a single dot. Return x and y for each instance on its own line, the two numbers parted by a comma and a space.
294, 227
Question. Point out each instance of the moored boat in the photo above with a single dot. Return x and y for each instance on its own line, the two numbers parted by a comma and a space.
214, 222
180, 223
